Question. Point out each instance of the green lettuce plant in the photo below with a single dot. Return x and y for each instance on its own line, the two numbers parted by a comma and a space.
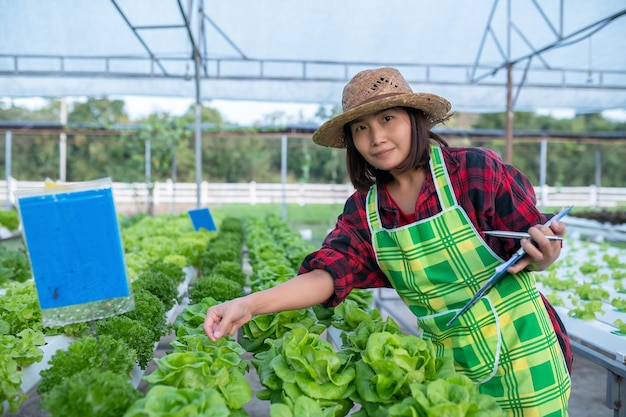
16, 353
269, 272
555, 299
226, 352
91, 392
149, 311
619, 304
455, 396
585, 310
390, 363
348, 315
265, 327
618, 273
621, 325
88, 352
614, 261
191, 319
167, 401
164, 286
231, 270
589, 292
215, 286
133, 333
302, 364
301, 407
589, 267
14, 266
9, 219
201, 370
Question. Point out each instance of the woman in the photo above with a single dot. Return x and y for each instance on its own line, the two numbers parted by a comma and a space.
415, 223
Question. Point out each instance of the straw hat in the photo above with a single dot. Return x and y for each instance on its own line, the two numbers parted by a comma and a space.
377, 89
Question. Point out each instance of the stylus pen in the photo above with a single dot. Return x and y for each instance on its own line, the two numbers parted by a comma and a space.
517, 235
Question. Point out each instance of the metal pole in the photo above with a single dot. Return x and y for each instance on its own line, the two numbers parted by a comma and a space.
7, 168
543, 163
63, 143
198, 143
198, 139
174, 169
283, 174
148, 157
598, 175
509, 115
598, 169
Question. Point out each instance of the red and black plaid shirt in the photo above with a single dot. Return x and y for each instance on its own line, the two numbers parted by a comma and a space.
496, 196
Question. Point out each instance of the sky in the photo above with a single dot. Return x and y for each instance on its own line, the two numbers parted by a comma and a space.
247, 113
244, 113
238, 112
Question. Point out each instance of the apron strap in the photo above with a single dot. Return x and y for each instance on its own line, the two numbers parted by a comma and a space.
373, 218
439, 172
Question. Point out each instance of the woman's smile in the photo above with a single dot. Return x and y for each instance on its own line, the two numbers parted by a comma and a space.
384, 153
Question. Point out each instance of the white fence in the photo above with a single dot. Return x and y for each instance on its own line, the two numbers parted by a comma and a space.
186, 194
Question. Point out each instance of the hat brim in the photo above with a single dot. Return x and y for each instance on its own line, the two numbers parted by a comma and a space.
434, 107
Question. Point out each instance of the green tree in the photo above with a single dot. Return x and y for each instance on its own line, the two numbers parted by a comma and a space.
326, 112
590, 122
48, 113
163, 134
34, 157
241, 159
128, 150
101, 111
207, 114
238, 157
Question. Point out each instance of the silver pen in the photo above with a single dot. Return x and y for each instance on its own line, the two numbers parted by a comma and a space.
517, 235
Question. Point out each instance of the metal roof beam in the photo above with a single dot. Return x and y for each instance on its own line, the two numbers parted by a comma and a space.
138, 36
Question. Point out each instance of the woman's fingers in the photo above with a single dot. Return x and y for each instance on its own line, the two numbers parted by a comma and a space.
211, 322
540, 251
225, 318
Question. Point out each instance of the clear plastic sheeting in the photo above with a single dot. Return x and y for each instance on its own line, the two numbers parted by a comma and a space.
562, 54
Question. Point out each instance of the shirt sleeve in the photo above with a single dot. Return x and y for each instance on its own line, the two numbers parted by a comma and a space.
515, 200
502, 198
347, 253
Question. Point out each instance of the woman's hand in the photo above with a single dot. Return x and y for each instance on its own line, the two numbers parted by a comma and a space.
540, 252
226, 318
303, 291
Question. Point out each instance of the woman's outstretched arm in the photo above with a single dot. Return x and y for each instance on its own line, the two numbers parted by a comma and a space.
303, 291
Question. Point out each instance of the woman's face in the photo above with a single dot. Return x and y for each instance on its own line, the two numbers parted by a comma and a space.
383, 137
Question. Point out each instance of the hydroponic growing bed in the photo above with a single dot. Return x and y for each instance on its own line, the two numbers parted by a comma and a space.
157, 249
31, 374
599, 265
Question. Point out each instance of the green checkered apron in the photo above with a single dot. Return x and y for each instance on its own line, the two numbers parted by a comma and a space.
505, 342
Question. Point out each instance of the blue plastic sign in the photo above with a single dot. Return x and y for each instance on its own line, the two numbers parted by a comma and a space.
75, 249
201, 218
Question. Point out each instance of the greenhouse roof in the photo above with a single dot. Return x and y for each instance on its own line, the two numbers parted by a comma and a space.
562, 53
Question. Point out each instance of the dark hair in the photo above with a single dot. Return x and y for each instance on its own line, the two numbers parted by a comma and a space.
363, 175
